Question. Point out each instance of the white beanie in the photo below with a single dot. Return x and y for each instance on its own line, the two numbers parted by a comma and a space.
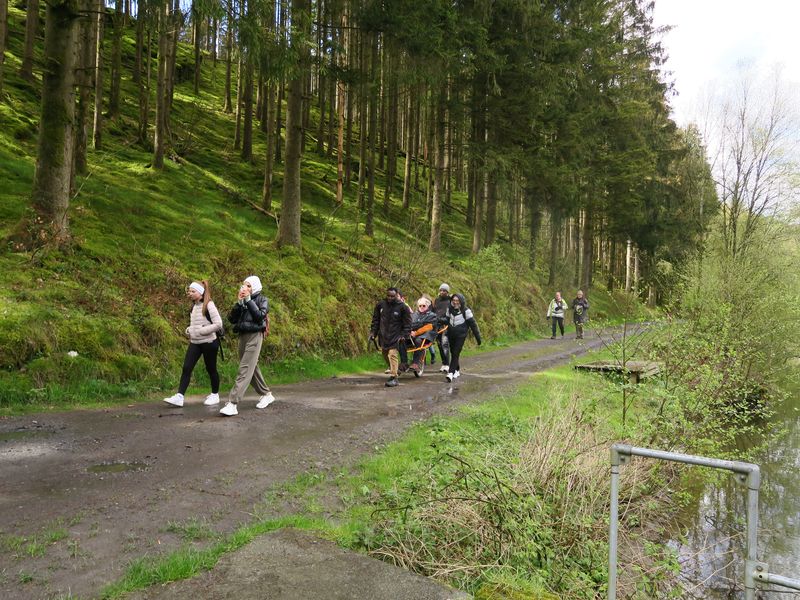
444, 287
197, 287
255, 284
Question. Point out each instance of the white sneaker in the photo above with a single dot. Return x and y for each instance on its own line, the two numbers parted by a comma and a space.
456, 374
444, 368
176, 400
229, 410
211, 400
450, 377
265, 401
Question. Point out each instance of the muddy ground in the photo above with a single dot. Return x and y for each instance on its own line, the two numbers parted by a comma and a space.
91, 490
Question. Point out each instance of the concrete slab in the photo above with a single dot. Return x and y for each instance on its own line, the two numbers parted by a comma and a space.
294, 565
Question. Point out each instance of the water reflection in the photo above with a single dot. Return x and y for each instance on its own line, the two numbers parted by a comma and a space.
711, 549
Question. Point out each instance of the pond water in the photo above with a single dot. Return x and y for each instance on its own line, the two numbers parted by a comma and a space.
711, 550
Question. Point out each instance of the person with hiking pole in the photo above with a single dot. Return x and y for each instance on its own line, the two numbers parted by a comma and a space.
204, 330
460, 321
580, 310
391, 325
250, 319
555, 312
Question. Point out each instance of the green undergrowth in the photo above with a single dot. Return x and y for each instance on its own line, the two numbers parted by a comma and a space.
507, 499
116, 297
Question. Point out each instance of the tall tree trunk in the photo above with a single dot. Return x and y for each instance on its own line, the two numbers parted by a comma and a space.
555, 225
289, 228
247, 101
97, 123
269, 109
116, 61
279, 119
3, 35
440, 126
373, 126
159, 138
362, 125
197, 55
588, 250
228, 107
491, 212
144, 78
409, 126
340, 107
628, 266
391, 139
31, 30
535, 228
214, 41
240, 76
141, 18
51, 180
84, 80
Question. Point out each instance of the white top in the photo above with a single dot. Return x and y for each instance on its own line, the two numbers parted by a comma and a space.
200, 331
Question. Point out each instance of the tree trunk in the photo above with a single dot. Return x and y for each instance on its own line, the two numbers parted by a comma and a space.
247, 101
269, 109
588, 250
228, 107
97, 124
3, 35
240, 76
362, 126
391, 140
535, 228
340, 106
373, 126
197, 55
145, 78
440, 125
480, 194
491, 212
84, 80
116, 61
51, 180
31, 30
159, 141
628, 267
409, 149
289, 228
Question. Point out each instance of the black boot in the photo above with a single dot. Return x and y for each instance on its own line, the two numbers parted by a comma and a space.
392, 382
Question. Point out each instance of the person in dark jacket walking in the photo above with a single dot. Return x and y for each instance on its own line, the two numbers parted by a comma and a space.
391, 325
250, 319
460, 321
580, 313
440, 306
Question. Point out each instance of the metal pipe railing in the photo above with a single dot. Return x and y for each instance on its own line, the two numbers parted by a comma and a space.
748, 473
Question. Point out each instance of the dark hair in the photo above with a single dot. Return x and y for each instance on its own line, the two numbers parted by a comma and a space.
394, 289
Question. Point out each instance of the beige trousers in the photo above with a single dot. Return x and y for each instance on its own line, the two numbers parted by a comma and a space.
249, 373
392, 358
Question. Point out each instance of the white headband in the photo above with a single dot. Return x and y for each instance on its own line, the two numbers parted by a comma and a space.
197, 288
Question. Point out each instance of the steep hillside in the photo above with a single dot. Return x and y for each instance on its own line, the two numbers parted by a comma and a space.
117, 299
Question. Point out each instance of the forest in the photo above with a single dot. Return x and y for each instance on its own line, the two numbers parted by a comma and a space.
511, 148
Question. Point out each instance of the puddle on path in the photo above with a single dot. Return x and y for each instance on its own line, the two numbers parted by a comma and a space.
22, 434
117, 467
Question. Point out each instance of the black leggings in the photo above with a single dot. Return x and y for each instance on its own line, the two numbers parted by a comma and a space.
456, 344
193, 353
560, 322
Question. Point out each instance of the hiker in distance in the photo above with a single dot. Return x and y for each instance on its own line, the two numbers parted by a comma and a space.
555, 312
460, 321
391, 325
580, 313
250, 319
440, 306
204, 325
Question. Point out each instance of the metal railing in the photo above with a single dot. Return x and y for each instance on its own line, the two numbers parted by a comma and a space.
747, 473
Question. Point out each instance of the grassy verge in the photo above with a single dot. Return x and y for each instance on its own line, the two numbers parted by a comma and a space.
507, 499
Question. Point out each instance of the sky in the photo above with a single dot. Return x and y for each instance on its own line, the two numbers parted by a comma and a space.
711, 38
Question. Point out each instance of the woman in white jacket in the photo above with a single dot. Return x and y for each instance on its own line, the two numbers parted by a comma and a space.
204, 324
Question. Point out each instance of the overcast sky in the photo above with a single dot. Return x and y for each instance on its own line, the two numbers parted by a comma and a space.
711, 38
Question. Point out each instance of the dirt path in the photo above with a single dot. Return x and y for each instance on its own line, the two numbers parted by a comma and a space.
60, 476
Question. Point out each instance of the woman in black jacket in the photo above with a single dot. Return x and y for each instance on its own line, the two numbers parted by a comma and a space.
250, 319
460, 322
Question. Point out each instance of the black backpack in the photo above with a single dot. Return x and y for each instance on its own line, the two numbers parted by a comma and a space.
220, 336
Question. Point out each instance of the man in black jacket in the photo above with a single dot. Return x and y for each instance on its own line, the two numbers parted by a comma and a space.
391, 324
